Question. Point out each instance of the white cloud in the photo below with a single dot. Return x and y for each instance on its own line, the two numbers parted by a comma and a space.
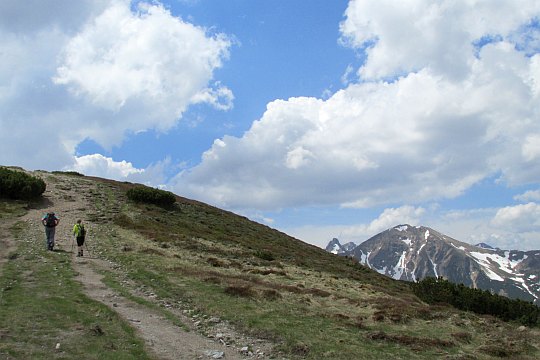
411, 35
464, 114
105, 167
531, 147
98, 70
99, 165
519, 218
531, 195
126, 63
395, 216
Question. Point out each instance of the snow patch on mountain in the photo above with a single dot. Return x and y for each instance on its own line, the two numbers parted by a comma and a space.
400, 267
365, 259
462, 248
525, 286
418, 253
335, 249
504, 263
434, 268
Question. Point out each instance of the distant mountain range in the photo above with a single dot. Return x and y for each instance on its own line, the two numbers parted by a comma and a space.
412, 253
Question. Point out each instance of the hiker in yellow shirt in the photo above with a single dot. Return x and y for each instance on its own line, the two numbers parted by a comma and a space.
80, 233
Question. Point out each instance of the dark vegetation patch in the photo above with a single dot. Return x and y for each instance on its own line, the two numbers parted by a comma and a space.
300, 349
500, 351
152, 251
401, 310
244, 291
463, 337
250, 281
269, 272
433, 290
271, 294
215, 262
70, 173
417, 343
265, 255
19, 185
147, 195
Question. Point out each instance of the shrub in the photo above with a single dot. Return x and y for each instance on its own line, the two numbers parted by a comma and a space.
71, 173
19, 185
265, 255
147, 195
240, 291
439, 290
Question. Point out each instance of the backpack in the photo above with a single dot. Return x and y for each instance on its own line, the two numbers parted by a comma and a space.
50, 221
82, 231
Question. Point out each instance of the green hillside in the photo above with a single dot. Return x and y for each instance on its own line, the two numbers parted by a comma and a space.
306, 302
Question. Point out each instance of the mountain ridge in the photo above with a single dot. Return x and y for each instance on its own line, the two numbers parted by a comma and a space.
412, 253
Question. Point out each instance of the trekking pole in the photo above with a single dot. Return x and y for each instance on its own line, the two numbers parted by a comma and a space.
88, 251
86, 245
72, 243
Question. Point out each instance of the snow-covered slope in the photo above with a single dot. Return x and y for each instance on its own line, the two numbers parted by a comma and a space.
414, 252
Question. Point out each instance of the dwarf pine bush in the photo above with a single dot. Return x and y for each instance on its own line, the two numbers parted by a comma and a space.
19, 185
432, 290
147, 195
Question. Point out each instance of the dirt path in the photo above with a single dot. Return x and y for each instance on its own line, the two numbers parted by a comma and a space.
163, 339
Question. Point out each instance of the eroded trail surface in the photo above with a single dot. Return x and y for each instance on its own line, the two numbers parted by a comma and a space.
163, 338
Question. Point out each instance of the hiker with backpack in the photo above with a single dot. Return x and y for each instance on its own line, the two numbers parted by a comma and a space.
50, 221
80, 233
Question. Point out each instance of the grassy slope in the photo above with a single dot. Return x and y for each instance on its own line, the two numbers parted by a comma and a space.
314, 304
41, 305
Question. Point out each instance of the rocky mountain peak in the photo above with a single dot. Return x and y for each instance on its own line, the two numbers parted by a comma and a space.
334, 246
411, 253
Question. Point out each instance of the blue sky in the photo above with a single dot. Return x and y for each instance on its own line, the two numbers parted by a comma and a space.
319, 118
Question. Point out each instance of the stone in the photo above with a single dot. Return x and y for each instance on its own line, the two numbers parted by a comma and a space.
215, 354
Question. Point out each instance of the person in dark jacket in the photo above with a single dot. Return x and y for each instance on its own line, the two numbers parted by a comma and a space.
50, 221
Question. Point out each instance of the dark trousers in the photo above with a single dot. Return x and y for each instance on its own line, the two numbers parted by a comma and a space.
49, 232
80, 241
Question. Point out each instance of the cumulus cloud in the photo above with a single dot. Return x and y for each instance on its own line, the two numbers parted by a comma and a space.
408, 36
99, 165
99, 70
462, 109
145, 77
518, 218
392, 216
105, 167
531, 195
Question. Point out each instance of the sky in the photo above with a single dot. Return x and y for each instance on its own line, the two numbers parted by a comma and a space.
318, 118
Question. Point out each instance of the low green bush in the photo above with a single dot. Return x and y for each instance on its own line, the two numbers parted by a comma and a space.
72, 173
147, 195
265, 255
19, 185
